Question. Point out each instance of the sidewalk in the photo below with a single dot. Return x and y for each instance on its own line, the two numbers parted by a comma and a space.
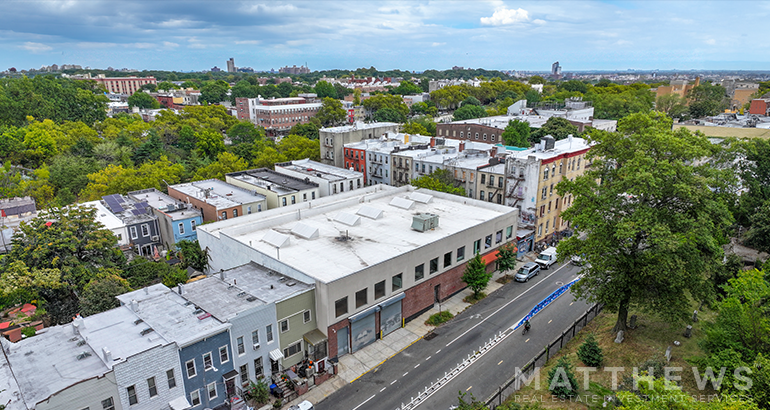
354, 365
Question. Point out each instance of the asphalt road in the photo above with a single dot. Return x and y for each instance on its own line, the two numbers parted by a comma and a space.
406, 374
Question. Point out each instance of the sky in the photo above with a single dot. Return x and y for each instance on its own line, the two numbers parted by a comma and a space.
413, 35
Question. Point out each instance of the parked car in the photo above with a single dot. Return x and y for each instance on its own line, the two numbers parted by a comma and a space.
546, 257
578, 260
529, 270
305, 405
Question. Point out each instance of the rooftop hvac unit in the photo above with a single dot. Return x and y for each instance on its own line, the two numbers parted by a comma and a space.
424, 222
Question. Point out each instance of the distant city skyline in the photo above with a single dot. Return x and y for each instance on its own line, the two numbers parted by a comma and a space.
408, 35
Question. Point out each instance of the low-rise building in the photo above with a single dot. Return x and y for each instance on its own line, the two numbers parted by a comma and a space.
278, 189
330, 180
133, 222
395, 252
218, 200
276, 115
178, 221
333, 139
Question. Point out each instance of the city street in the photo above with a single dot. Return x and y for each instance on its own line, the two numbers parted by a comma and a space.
403, 376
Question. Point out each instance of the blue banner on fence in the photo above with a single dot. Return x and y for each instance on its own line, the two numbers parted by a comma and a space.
545, 302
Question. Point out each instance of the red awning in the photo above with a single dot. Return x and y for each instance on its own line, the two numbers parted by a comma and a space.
489, 257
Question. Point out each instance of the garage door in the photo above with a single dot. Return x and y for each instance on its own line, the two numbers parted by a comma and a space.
342, 342
362, 330
390, 315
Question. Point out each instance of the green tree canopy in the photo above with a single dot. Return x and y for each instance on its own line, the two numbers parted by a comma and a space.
331, 112
476, 276
307, 130
324, 89
516, 134
214, 92
116, 179
389, 115
706, 99
466, 112
557, 127
440, 180
141, 99
99, 295
648, 217
226, 162
245, 132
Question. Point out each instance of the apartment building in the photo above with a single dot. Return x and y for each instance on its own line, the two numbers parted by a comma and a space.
124, 85
333, 139
177, 220
132, 222
218, 200
277, 189
276, 115
330, 180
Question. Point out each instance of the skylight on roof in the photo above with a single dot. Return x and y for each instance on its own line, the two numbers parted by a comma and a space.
420, 197
402, 203
348, 219
304, 230
276, 239
370, 212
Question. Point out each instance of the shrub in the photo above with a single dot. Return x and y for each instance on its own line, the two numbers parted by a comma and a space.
257, 392
439, 318
562, 379
28, 331
590, 353
277, 404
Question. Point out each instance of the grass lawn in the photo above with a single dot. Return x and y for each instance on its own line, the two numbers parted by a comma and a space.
648, 341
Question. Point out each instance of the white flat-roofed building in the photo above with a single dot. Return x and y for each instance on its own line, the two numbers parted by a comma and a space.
218, 200
278, 189
110, 221
367, 252
330, 179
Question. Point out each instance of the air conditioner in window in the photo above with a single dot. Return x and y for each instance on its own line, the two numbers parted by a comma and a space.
155, 238
256, 346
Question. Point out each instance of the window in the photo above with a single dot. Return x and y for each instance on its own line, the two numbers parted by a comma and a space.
293, 200
152, 387
195, 398
304, 197
551, 189
145, 230
397, 282
488, 242
171, 378
192, 225
235, 213
269, 332
240, 346
212, 389
292, 350
545, 174
499, 236
546, 226
248, 210
491, 196
306, 316
108, 404
223, 356
208, 364
312, 195
341, 307
255, 338
540, 230
283, 201
244, 371
544, 193
181, 228
433, 265
131, 391
379, 290
224, 215
481, 195
258, 367
491, 180
508, 232
133, 232
460, 253
191, 368
259, 207
361, 298
500, 182
447, 259
120, 237
284, 325
419, 272
476, 246
483, 178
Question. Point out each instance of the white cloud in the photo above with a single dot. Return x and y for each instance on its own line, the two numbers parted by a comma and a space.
503, 16
438, 44
36, 47
247, 42
711, 42
538, 21
170, 44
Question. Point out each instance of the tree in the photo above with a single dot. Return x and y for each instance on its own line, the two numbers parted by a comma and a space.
141, 99
648, 218
672, 105
536, 79
471, 100
331, 112
245, 132
759, 234
214, 92
440, 180
294, 147
226, 162
557, 127
561, 379
71, 172
192, 256
706, 99
307, 130
117, 179
406, 88
590, 353
412, 127
150, 150
142, 272
16, 278
99, 294
210, 143
516, 134
476, 276
389, 115
257, 392
380, 101
324, 89
506, 258
167, 85
754, 170
466, 112
342, 91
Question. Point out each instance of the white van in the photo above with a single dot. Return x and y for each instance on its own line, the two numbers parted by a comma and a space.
546, 258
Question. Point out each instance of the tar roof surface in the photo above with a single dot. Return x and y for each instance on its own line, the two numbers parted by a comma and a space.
48, 363
172, 316
222, 194
371, 242
277, 182
221, 299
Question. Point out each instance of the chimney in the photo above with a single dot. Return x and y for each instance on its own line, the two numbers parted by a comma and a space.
462, 146
179, 288
134, 305
222, 274
107, 355
432, 142
493, 151
77, 324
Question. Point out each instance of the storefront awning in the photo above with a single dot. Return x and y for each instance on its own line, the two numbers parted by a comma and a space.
180, 403
276, 355
489, 257
314, 337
